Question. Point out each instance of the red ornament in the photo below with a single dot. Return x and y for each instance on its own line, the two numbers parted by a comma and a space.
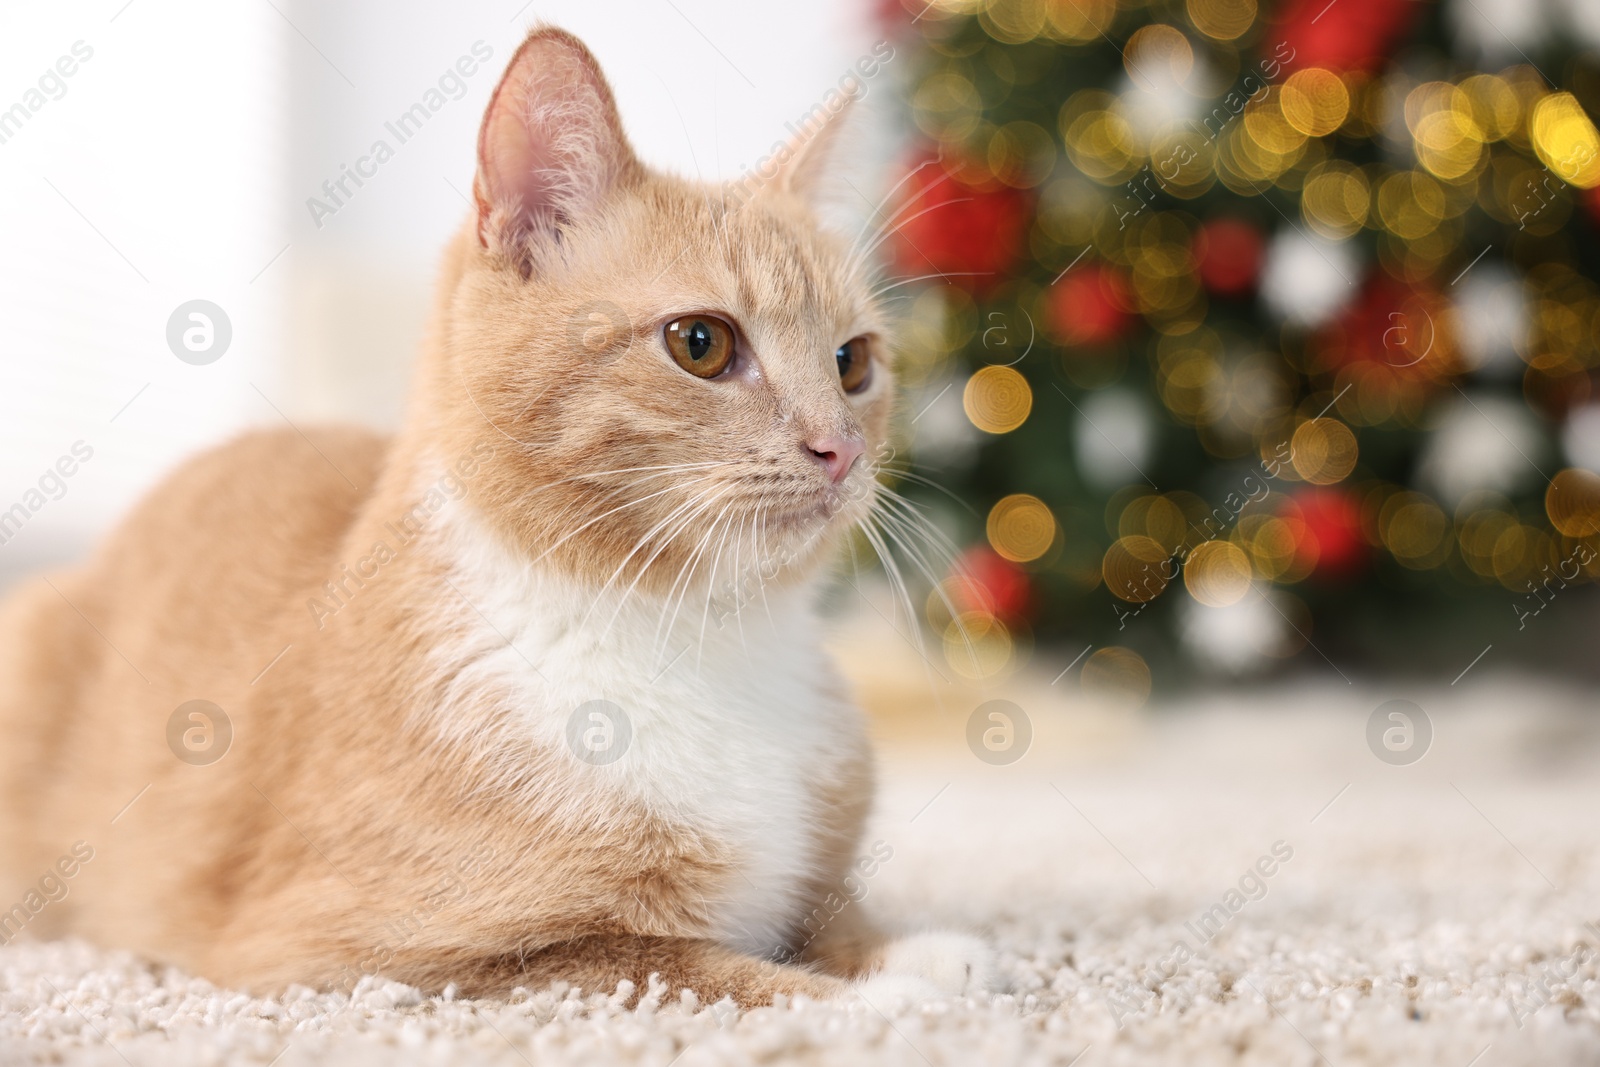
1329, 540
970, 231
1090, 306
1229, 252
896, 16
1343, 36
1398, 328
983, 580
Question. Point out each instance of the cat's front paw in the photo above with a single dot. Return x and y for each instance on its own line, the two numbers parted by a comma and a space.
950, 964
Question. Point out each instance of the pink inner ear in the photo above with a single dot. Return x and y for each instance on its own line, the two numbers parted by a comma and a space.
551, 144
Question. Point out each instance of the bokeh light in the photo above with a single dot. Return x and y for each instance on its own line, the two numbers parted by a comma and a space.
1283, 271
978, 646
1118, 676
1324, 451
997, 399
1021, 528
1222, 20
1136, 568
1573, 502
1315, 101
1566, 140
1217, 573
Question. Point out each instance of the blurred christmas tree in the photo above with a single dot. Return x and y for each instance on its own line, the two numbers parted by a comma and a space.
1256, 334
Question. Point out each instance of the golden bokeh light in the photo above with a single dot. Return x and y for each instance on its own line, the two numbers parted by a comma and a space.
1100, 143
978, 646
997, 399
1479, 536
1565, 140
1118, 676
1520, 552
1315, 101
1158, 57
1269, 130
1335, 199
947, 106
1013, 21
1184, 160
1446, 134
1190, 380
1021, 154
1021, 528
1080, 20
1271, 544
1136, 569
1414, 530
1159, 518
1217, 573
1411, 204
1495, 106
1222, 20
1450, 145
1324, 451
940, 320
1573, 502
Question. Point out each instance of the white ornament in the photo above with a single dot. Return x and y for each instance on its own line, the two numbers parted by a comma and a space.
1502, 31
1237, 639
1580, 438
1491, 319
1307, 279
941, 434
1112, 438
1482, 442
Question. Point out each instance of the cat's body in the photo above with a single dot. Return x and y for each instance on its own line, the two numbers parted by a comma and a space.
409, 637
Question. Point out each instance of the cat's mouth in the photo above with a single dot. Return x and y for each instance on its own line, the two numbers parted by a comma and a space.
829, 507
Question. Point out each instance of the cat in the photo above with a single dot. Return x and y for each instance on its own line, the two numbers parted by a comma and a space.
533, 691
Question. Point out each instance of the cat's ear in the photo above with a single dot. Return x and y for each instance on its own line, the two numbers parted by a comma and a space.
551, 146
812, 152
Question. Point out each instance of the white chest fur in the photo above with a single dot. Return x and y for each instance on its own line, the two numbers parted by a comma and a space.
728, 721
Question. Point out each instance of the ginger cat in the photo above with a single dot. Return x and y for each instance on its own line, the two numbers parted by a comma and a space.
532, 691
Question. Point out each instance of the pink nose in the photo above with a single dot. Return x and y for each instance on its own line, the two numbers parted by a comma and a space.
837, 455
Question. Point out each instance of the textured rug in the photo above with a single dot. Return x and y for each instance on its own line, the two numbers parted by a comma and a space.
1228, 879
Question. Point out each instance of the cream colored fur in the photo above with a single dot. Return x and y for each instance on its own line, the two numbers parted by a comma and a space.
400, 631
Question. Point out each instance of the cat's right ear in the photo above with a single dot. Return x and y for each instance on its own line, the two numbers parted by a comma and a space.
551, 147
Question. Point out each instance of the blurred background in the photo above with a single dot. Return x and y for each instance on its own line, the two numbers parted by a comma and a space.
1240, 342
1274, 343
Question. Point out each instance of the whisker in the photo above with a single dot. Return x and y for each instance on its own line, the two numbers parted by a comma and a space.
936, 274
622, 507
671, 516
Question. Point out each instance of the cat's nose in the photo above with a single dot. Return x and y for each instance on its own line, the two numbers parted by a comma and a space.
837, 454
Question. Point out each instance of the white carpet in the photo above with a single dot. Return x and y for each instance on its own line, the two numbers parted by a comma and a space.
1414, 924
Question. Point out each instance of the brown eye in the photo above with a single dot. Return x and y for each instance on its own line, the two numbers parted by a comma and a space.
854, 364
702, 345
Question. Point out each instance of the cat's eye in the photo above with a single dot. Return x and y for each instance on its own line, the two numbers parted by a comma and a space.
855, 364
702, 344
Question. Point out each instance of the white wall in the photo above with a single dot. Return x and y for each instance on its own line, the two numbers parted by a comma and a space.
152, 180
177, 164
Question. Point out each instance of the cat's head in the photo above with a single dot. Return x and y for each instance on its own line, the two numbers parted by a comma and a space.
677, 380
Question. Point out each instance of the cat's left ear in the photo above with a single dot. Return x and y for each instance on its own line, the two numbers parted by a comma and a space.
812, 152
551, 147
